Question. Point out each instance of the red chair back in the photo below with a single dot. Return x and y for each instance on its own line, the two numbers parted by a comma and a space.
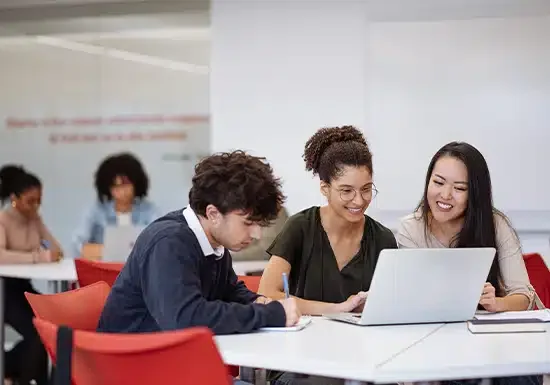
251, 282
79, 309
177, 357
539, 275
89, 272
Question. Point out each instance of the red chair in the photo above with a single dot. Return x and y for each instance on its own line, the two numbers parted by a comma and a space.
177, 357
89, 272
539, 275
251, 282
80, 308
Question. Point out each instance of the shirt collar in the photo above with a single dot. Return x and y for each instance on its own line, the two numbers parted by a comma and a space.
195, 226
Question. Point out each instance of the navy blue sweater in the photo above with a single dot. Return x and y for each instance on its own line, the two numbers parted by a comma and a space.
168, 283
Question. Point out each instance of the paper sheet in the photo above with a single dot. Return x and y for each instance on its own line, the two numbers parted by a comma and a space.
304, 321
543, 315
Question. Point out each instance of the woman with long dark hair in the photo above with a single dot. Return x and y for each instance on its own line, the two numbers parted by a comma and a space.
457, 211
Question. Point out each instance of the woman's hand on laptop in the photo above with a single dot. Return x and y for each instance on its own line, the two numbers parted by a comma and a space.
354, 303
488, 298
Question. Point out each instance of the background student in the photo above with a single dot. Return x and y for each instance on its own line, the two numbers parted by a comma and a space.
121, 185
180, 272
457, 211
23, 239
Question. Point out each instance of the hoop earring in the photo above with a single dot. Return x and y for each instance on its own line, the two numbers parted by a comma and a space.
13, 204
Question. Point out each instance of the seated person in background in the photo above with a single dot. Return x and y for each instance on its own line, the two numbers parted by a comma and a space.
330, 252
180, 272
257, 250
457, 211
23, 239
121, 185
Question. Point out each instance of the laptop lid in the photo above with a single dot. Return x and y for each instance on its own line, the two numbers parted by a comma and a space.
427, 285
119, 242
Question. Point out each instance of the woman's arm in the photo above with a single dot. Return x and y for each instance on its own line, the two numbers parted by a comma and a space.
10, 256
514, 302
271, 286
519, 294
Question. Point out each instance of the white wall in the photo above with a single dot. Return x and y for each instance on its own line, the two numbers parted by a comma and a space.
38, 82
281, 70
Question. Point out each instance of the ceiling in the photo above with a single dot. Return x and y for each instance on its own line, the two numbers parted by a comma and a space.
178, 31
172, 35
5, 4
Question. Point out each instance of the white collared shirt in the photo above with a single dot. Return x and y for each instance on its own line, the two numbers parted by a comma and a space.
195, 226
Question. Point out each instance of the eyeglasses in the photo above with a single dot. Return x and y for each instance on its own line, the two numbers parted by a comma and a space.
367, 193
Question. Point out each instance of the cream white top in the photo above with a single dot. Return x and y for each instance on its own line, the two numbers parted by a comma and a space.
412, 233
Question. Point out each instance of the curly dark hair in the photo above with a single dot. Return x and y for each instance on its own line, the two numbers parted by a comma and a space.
122, 164
234, 181
332, 148
14, 179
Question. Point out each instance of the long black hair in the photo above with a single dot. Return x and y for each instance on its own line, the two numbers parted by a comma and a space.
479, 228
15, 180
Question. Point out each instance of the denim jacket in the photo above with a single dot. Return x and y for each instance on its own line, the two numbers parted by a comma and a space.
100, 215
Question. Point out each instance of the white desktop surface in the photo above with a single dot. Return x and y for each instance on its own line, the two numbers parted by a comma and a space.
452, 352
63, 270
324, 348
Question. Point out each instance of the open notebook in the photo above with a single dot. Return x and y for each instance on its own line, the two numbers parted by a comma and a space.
304, 321
542, 315
510, 322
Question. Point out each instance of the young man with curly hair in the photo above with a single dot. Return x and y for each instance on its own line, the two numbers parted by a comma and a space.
180, 272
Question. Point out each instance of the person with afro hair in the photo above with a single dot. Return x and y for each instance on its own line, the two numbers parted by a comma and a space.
121, 184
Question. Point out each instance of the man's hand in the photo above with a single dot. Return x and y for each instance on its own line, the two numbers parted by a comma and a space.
291, 311
263, 300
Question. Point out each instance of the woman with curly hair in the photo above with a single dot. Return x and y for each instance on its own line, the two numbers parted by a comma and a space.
329, 253
121, 184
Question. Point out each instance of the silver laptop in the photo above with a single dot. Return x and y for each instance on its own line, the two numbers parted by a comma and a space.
119, 241
413, 286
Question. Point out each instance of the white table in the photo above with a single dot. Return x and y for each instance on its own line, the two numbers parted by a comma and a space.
452, 352
60, 271
324, 348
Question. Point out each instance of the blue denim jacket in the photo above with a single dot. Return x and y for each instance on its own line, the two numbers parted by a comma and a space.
100, 215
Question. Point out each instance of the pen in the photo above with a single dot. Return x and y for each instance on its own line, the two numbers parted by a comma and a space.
285, 285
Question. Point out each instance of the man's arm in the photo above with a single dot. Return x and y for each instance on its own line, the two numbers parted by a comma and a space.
171, 287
